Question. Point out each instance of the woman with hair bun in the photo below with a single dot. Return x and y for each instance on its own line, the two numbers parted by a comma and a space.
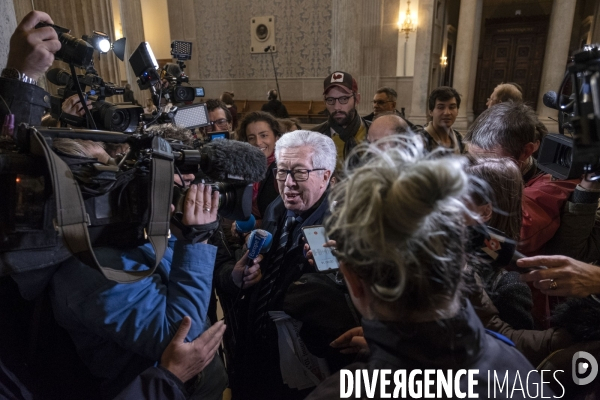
400, 224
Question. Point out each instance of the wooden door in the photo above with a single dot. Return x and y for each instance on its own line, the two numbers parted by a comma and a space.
512, 51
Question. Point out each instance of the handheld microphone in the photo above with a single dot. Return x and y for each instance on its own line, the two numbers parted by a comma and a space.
259, 242
230, 160
59, 77
245, 226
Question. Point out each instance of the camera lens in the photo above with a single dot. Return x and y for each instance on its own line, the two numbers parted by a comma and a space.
565, 157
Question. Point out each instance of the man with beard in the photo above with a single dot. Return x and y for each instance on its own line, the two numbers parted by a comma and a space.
344, 125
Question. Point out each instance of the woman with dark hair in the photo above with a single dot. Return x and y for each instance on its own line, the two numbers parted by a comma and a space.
227, 98
399, 220
262, 130
502, 211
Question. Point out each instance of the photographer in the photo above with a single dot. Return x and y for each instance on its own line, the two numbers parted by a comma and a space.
119, 329
31, 54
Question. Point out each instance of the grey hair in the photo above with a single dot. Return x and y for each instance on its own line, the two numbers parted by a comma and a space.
399, 222
510, 125
324, 151
389, 92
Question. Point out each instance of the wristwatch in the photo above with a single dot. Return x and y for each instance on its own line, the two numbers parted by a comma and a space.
13, 73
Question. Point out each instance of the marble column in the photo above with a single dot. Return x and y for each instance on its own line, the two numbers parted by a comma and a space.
133, 30
356, 45
596, 25
556, 56
469, 25
474, 59
7, 27
420, 91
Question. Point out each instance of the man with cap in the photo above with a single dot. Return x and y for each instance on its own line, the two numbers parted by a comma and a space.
344, 125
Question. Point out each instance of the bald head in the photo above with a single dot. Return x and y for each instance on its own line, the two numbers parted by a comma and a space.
503, 93
386, 124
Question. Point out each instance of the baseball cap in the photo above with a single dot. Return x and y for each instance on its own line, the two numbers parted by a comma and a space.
341, 79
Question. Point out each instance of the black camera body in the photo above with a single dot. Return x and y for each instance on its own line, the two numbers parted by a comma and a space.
570, 157
107, 116
118, 199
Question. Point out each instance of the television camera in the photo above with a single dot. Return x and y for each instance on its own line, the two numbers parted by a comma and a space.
568, 157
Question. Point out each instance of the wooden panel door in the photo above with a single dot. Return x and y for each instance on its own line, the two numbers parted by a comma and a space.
512, 51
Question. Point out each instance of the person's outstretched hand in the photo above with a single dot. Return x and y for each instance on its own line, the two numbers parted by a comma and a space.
32, 50
186, 360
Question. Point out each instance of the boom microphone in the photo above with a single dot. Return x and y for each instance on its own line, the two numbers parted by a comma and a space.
58, 77
230, 160
551, 100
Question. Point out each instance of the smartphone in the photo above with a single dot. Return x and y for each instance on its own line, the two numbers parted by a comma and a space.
325, 261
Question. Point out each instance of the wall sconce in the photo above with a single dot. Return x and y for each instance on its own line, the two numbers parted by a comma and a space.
444, 61
407, 26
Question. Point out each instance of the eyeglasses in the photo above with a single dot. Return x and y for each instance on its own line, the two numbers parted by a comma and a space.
342, 100
219, 124
298, 175
381, 102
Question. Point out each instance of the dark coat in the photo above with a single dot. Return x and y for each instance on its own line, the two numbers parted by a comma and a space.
275, 108
457, 343
255, 372
267, 190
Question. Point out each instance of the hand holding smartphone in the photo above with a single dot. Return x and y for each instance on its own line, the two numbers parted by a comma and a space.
324, 259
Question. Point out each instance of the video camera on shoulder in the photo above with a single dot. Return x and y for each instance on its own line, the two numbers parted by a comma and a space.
568, 157
59, 203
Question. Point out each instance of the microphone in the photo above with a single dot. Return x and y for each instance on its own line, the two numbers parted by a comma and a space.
245, 226
230, 160
172, 69
551, 100
58, 77
259, 242
267, 48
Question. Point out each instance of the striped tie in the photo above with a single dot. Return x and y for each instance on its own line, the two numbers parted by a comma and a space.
270, 276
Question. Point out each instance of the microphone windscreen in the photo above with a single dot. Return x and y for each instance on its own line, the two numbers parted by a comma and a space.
257, 241
58, 77
549, 100
173, 69
231, 160
245, 226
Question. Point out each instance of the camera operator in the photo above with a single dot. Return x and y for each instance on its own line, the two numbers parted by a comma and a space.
119, 329
31, 54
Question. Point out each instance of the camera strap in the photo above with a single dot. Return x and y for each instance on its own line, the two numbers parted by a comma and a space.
72, 219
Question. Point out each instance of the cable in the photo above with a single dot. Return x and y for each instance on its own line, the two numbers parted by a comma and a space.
7, 107
88, 114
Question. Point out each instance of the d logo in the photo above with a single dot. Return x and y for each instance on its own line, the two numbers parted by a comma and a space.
590, 365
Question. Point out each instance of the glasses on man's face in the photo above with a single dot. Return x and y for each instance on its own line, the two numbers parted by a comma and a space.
342, 100
218, 125
381, 102
298, 175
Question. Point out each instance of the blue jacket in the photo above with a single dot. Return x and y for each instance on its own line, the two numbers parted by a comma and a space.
122, 329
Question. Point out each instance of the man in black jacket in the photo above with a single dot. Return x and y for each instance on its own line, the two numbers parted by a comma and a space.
275, 107
305, 162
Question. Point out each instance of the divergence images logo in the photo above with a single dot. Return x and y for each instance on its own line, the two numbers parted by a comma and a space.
583, 363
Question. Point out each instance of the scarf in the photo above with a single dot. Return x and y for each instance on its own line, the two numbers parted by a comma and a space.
256, 187
347, 134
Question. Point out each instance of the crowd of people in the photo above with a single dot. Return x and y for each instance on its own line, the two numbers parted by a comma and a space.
403, 206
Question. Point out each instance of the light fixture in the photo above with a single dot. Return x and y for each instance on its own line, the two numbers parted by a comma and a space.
443, 61
407, 25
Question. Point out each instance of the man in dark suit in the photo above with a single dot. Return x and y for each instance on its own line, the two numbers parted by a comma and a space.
305, 161
275, 107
